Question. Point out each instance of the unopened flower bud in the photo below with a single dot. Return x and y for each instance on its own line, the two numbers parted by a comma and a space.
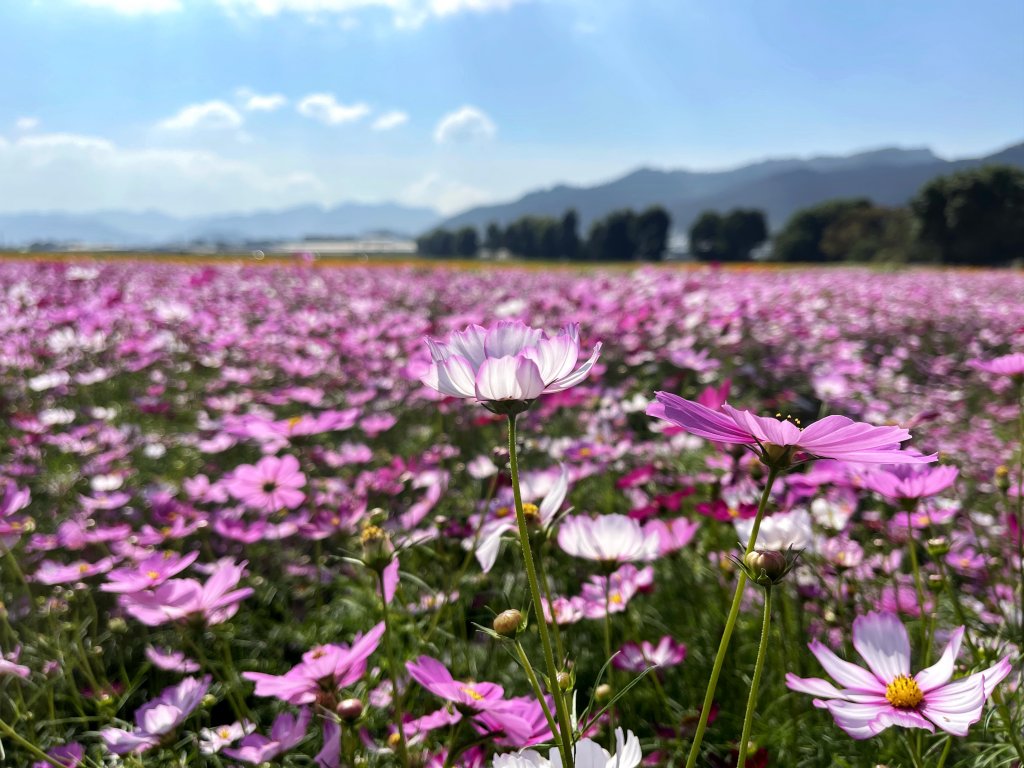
766, 567
209, 700
564, 681
349, 710
508, 623
376, 516
603, 693
532, 514
118, 625
377, 548
1002, 478
938, 546
936, 582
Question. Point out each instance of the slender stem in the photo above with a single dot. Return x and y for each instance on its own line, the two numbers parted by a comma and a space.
916, 568
28, 746
535, 684
608, 654
945, 752
396, 693
730, 625
564, 724
748, 718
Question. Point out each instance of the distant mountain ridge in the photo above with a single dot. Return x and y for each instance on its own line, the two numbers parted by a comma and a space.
153, 228
889, 176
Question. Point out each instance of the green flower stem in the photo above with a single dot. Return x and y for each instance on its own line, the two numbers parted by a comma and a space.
918, 586
608, 654
730, 625
748, 718
535, 684
565, 726
28, 746
396, 694
945, 752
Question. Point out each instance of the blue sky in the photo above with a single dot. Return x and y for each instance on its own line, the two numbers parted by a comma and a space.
193, 106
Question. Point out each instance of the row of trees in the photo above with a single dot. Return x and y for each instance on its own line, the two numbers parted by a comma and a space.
621, 235
974, 217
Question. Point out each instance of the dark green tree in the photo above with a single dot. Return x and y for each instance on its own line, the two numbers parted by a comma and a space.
651, 233
493, 239
800, 239
437, 242
569, 238
467, 242
973, 217
706, 236
876, 234
612, 238
742, 230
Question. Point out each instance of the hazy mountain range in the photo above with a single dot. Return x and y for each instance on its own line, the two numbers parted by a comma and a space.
889, 176
779, 187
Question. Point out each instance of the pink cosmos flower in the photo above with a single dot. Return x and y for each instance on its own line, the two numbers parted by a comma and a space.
1007, 365
834, 437
508, 361
908, 482
215, 601
148, 573
270, 485
69, 755
158, 718
638, 657
286, 732
608, 539
170, 661
323, 669
51, 572
672, 535
871, 701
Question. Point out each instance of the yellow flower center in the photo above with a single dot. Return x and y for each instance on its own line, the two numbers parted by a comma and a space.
83, 567
904, 692
472, 694
585, 452
502, 512
615, 598
152, 575
733, 512
531, 511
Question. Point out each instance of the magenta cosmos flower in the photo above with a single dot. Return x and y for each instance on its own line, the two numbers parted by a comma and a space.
1007, 365
910, 483
887, 695
510, 361
272, 484
834, 437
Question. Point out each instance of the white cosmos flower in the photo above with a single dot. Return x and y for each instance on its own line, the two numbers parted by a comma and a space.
587, 754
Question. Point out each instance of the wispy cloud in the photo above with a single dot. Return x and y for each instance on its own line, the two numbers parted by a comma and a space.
404, 13
325, 108
26, 123
464, 125
260, 102
445, 195
390, 120
208, 114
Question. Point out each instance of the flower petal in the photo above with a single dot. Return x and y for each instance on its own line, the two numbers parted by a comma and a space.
940, 672
881, 640
697, 419
857, 679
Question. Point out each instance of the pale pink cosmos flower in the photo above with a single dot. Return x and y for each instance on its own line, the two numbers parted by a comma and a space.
150, 572
272, 484
158, 718
833, 437
871, 701
214, 602
285, 733
586, 754
1007, 365
607, 539
636, 657
508, 361
170, 661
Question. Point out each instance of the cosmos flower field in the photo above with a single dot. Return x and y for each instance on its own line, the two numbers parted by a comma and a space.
249, 515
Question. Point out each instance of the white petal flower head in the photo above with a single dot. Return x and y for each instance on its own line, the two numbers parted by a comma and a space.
507, 366
587, 754
607, 539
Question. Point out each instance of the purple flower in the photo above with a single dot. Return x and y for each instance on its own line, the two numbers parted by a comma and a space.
323, 671
908, 482
508, 361
871, 701
1007, 365
215, 601
148, 573
69, 755
638, 657
834, 437
170, 661
270, 485
286, 732
158, 718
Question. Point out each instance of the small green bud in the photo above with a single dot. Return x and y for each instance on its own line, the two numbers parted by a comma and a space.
349, 710
509, 623
603, 693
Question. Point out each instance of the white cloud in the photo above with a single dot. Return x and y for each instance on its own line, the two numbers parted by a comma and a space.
26, 123
134, 7
404, 13
390, 120
209, 114
71, 172
466, 124
324, 107
446, 195
260, 102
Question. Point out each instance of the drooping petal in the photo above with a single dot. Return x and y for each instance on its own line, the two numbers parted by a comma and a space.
698, 420
553, 501
881, 640
554, 357
454, 377
574, 378
940, 672
857, 679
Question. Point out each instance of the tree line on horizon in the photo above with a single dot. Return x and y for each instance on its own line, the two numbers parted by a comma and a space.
973, 217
